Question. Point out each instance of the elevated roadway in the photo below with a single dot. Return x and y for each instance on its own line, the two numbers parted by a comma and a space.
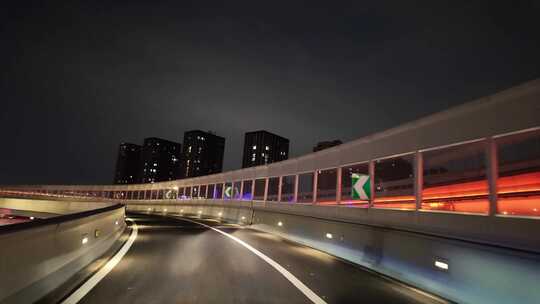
453, 199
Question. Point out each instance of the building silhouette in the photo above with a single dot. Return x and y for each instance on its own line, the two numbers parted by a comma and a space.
160, 160
202, 154
262, 147
127, 164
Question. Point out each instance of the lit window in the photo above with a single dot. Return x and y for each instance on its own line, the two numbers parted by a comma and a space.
254, 147
267, 148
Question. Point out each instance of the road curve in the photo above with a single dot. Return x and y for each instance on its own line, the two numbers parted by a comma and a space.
179, 261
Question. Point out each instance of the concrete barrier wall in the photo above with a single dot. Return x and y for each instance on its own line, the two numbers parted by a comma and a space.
237, 212
477, 273
34, 261
65, 206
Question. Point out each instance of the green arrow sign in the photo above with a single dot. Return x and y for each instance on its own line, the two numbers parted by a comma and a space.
360, 186
228, 191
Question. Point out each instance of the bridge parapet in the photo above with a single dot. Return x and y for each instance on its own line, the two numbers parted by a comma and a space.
41, 258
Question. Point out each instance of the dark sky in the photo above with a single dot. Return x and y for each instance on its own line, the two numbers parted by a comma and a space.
78, 78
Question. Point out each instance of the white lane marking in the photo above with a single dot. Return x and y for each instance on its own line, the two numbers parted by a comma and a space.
289, 276
78, 294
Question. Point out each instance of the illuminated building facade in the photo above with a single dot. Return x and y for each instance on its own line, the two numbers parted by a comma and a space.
262, 148
160, 160
203, 153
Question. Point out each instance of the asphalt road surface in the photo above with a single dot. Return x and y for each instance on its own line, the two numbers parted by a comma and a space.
178, 261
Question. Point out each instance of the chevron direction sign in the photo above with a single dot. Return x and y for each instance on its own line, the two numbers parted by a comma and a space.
360, 186
228, 192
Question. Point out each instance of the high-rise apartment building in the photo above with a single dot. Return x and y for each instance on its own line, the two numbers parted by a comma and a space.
262, 147
160, 160
203, 153
127, 164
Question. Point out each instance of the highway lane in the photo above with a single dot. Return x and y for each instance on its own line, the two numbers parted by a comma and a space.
178, 261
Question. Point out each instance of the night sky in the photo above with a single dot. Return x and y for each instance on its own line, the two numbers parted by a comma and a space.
79, 78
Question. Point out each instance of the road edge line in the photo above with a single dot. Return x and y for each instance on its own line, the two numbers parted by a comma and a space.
85, 288
310, 294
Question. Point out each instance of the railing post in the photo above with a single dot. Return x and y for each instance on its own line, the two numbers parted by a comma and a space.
265, 189
418, 179
371, 171
492, 174
223, 185
315, 180
252, 188
296, 179
279, 188
338, 186
241, 194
